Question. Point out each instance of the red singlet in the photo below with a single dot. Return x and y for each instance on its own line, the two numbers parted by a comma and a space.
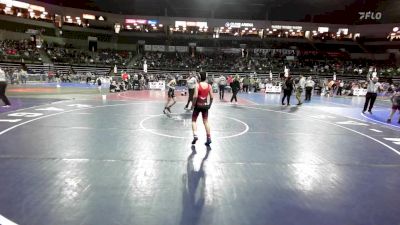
202, 95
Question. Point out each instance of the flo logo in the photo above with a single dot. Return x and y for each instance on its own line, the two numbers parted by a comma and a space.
370, 15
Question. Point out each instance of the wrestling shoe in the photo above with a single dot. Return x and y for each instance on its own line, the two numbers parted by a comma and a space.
195, 138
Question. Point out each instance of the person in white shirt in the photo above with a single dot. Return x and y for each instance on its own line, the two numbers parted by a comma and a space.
191, 83
221, 84
299, 89
309, 87
372, 92
3, 86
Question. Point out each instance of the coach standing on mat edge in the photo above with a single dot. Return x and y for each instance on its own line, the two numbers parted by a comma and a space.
3, 86
372, 90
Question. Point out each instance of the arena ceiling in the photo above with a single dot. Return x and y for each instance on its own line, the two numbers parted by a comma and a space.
330, 11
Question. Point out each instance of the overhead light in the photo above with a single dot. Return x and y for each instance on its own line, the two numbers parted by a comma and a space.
160, 25
45, 13
68, 17
88, 17
254, 28
30, 10
298, 30
395, 29
7, 2
101, 18
37, 8
19, 14
274, 29
77, 18
19, 4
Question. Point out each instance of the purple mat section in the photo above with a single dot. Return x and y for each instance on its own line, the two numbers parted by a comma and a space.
23, 103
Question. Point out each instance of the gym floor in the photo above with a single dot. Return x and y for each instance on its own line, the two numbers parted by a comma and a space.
85, 160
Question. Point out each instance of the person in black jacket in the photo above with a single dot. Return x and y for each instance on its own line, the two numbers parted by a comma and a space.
235, 85
287, 89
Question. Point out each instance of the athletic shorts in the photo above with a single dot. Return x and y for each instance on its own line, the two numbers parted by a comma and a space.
396, 107
197, 111
171, 93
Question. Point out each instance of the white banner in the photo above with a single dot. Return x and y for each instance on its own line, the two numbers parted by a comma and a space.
182, 48
158, 48
231, 50
359, 92
273, 51
171, 48
147, 48
272, 89
160, 85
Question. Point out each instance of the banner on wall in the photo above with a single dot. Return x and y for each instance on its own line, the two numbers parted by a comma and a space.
158, 48
171, 49
359, 92
231, 50
159, 85
182, 48
273, 51
269, 88
163, 48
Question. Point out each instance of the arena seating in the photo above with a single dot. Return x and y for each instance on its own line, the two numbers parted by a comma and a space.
11, 50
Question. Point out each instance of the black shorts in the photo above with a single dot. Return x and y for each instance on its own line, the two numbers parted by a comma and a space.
197, 111
171, 93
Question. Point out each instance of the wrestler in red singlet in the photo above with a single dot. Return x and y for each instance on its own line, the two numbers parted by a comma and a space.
202, 91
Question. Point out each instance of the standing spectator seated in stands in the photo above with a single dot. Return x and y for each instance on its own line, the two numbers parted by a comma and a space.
23, 76
142, 83
125, 78
135, 81
246, 83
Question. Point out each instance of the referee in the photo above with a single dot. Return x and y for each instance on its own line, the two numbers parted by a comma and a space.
191, 83
3, 86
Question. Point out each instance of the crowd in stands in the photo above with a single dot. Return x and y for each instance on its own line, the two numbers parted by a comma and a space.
79, 56
264, 63
23, 50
